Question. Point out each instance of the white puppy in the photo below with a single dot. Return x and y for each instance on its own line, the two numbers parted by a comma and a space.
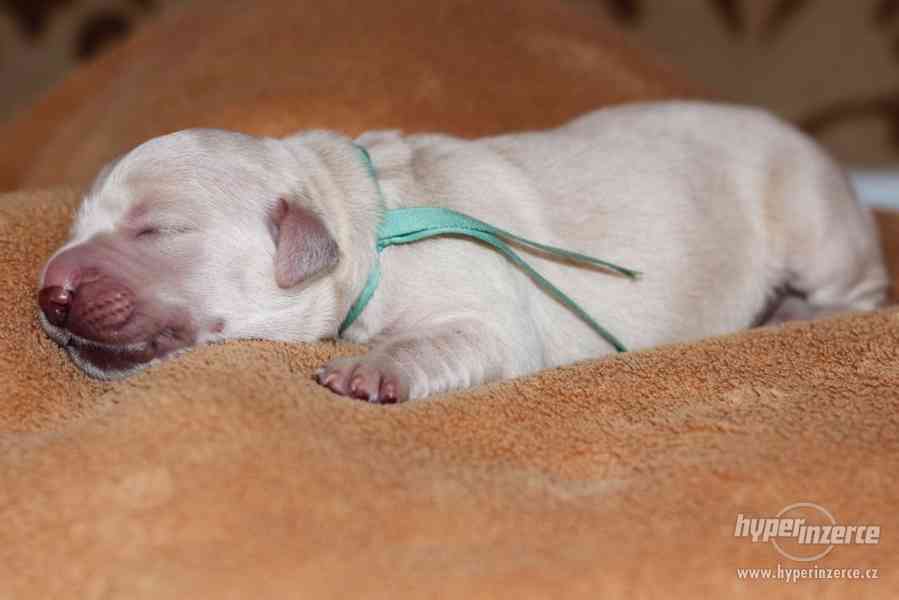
208, 235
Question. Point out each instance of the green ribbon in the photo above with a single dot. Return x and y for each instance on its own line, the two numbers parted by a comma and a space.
408, 225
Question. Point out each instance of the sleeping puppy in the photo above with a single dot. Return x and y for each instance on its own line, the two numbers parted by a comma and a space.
733, 217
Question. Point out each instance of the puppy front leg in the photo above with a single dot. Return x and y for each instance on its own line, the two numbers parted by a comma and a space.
451, 356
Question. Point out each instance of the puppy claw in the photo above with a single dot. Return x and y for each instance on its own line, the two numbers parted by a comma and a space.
363, 378
364, 389
388, 392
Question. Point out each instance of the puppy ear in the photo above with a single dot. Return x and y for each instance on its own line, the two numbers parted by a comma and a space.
304, 246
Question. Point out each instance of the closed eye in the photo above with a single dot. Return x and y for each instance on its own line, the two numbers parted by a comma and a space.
152, 231
148, 232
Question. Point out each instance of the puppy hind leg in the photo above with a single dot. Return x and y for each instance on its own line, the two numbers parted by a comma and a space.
846, 274
791, 307
866, 294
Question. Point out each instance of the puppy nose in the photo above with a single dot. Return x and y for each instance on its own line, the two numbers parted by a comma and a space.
55, 302
100, 309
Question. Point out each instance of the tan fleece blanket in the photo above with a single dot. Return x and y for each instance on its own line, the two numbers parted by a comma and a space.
228, 473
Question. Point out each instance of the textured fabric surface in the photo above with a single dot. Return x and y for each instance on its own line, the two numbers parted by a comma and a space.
830, 65
228, 473
276, 66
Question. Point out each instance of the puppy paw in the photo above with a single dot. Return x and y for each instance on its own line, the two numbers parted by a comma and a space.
368, 378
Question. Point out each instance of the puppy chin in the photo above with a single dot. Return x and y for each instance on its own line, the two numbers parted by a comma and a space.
100, 361
110, 364
60, 336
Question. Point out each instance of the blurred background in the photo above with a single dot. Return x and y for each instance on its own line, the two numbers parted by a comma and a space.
831, 66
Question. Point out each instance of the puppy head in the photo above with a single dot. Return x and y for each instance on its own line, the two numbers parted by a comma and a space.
194, 237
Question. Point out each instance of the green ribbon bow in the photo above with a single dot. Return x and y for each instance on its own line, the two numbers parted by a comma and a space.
408, 225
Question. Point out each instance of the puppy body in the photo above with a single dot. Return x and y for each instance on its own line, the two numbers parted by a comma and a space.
722, 209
